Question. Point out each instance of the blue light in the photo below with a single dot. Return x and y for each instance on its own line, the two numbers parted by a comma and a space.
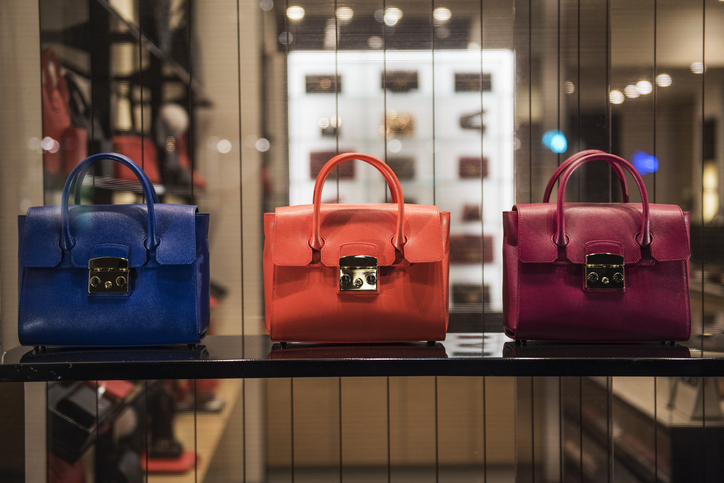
555, 141
644, 162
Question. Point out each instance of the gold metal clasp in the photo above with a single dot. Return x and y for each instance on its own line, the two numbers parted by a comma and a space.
357, 273
604, 271
108, 275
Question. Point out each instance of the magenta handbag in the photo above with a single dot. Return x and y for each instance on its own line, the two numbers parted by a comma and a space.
596, 272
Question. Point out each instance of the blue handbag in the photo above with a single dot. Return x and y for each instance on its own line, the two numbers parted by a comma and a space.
113, 275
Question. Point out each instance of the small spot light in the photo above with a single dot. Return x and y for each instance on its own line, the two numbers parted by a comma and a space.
644, 162
616, 97
286, 38
392, 16
441, 14
263, 145
224, 146
697, 67
50, 144
664, 80
295, 12
344, 14
394, 145
375, 42
631, 91
644, 87
555, 141
569, 87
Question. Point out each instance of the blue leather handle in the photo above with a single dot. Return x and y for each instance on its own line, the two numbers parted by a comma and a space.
79, 186
66, 240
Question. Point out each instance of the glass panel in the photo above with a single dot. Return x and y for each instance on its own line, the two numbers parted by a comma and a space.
235, 106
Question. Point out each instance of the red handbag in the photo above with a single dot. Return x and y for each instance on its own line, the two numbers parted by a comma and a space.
56, 112
356, 273
141, 149
596, 272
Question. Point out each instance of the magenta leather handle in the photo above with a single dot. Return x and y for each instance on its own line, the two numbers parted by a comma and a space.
565, 164
560, 236
398, 239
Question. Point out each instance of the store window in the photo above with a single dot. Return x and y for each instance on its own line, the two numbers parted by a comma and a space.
235, 106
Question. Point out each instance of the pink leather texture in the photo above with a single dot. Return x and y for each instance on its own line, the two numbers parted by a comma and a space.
544, 287
301, 277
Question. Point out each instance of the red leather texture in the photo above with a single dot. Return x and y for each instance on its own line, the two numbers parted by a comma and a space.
141, 149
301, 283
56, 111
544, 287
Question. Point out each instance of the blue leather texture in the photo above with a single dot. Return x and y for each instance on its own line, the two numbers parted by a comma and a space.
168, 298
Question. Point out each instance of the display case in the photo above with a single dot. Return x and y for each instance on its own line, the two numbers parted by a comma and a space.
473, 105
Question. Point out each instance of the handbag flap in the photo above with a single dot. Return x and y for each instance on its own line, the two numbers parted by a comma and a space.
600, 222
370, 225
120, 226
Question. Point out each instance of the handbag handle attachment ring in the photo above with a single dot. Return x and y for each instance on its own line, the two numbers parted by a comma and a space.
398, 239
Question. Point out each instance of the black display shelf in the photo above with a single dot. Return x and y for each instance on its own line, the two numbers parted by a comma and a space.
469, 354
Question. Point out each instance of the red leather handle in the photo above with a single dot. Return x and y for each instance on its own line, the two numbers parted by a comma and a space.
560, 237
48, 56
398, 240
564, 166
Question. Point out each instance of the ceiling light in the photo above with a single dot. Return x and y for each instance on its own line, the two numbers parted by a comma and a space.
663, 80
631, 91
344, 14
616, 97
392, 16
295, 13
644, 87
569, 87
441, 14
697, 67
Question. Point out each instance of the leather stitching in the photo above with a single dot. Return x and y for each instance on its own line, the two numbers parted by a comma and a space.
307, 250
547, 260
